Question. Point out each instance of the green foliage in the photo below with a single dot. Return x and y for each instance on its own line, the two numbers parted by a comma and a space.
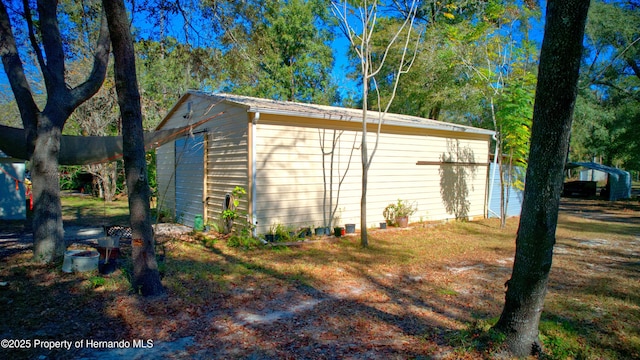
151, 172
468, 51
281, 50
513, 118
562, 340
206, 240
605, 120
240, 227
242, 241
447, 291
400, 209
477, 336
96, 281
168, 68
216, 226
232, 212
281, 232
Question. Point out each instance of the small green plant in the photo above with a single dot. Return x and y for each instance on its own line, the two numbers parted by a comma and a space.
562, 340
477, 336
96, 281
400, 209
206, 240
126, 273
237, 223
244, 241
447, 291
231, 213
281, 232
215, 226
164, 215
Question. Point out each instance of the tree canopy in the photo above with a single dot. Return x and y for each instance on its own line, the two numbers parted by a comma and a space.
474, 60
607, 110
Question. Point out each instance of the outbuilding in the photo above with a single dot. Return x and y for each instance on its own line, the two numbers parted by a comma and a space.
301, 163
12, 188
618, 181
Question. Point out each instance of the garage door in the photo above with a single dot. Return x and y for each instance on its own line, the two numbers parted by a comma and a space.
189, 178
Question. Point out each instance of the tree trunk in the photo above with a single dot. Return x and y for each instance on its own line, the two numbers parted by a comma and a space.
364, 157
146, 278
48, 233
43, 128
555, 98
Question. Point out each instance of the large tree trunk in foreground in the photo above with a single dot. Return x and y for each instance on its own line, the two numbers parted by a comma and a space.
47, 221
555, 98
146, 278
43, 128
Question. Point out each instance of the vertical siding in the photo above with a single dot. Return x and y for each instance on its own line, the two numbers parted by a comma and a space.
189, 178
13, 204
290, 176
165, 177
515, 196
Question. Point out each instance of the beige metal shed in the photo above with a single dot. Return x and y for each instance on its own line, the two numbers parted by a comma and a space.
300, 161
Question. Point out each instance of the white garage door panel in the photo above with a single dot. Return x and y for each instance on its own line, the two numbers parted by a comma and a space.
189, 178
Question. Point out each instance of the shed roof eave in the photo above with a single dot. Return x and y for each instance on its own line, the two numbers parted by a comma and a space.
323, 112
372, 120
595, 166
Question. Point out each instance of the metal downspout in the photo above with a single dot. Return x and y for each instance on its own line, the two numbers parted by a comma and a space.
254, 122
493, 178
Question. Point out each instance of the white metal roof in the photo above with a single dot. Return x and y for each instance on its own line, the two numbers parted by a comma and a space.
288, 108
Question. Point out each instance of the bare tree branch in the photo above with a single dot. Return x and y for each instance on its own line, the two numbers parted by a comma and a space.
52, 43
32, 39
100, 63
15, 73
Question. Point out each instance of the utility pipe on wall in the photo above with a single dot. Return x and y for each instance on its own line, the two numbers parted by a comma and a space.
254, 122
493, 177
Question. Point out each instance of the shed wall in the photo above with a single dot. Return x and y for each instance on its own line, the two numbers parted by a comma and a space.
516, 196
165, 178
227, 159
189, 178
290, 185
12, 192
224, 146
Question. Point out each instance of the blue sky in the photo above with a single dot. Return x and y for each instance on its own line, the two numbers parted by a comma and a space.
340, 47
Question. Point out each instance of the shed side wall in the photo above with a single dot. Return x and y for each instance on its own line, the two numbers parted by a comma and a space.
165, 177
12, 192
227, 159
226, 164
290, 175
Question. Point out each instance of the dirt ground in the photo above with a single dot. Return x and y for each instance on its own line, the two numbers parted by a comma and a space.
344, 311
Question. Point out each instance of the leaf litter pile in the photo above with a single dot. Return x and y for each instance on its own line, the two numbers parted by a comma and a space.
414, 293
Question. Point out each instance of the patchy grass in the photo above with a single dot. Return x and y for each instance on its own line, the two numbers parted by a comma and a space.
427, 291
88, 210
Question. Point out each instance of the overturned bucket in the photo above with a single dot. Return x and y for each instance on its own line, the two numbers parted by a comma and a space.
67, 263
85, 261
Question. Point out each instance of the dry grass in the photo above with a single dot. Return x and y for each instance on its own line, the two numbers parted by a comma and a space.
429, 291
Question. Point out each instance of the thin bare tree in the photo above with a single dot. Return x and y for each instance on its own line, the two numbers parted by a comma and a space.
361, 35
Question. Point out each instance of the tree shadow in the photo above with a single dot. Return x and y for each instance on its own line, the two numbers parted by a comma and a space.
38, 303
457, 167
313, 322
